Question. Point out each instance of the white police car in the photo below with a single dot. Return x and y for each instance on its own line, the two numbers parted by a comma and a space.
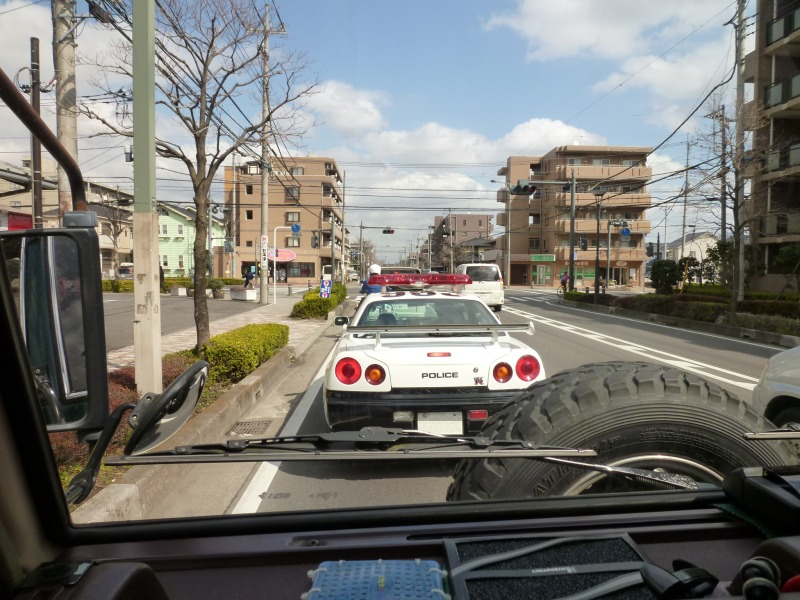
435, 361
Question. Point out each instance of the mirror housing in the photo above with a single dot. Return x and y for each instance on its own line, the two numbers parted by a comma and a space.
55, 280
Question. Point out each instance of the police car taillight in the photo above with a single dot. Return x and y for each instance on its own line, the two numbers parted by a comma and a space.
528, 368
348, 371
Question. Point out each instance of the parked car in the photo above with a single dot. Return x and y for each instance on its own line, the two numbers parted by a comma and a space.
352, 275
777, 393
429, 360
487, 283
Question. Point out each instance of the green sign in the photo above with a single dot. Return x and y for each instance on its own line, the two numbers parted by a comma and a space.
543, 258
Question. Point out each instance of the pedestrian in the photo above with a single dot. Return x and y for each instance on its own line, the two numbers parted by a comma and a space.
248, 279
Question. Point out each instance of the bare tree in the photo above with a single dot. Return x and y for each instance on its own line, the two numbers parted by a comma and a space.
209, 75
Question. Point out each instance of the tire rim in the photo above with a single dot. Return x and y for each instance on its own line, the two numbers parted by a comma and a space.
666, 463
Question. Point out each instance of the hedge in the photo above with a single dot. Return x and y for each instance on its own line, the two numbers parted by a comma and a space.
236, 354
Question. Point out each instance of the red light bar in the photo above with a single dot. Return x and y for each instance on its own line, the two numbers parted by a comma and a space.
426, 278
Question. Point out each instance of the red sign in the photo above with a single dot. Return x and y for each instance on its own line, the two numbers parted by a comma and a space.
284, 255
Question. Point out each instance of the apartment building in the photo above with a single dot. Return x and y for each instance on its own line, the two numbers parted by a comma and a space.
774, 113
455, 238
610, 225
305, 192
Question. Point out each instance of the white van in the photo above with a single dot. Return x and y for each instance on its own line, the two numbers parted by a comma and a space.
487, 283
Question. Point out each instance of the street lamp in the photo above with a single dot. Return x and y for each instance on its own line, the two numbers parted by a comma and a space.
598, 195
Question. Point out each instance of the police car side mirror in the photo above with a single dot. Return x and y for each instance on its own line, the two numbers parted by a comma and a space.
54, 279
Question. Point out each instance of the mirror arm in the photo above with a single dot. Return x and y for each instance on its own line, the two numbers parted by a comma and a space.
83, 483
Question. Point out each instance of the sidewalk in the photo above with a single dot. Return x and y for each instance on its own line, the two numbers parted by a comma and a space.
274, 312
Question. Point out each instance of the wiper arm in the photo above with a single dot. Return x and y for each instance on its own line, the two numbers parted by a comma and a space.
657, 479
790, 431
367, 444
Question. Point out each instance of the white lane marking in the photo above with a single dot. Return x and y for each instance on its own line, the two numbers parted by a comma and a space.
250, 500
680, 362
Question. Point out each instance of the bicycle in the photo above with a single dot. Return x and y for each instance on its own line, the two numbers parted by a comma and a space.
560, 291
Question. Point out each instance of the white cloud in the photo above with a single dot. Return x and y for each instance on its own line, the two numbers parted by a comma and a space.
611, 29
348, 110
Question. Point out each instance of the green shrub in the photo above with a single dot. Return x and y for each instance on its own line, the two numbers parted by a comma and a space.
781, 325
235, 354
215, 285
769, 307
700, 311
312, 308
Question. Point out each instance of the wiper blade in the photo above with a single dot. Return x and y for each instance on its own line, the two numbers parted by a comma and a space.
367, 444
656, 479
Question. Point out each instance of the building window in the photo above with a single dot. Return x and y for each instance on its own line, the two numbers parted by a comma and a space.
248, 243
630, 162
16, 204
601, 162
180, 229
164, 229
327, 191
292, 194
300, 269
480, 222
248, 189
292, 242
298, 171
165, 261
248, 215
105, 229
180, 261
292, 217
534, 219
533, 243
574, 161
464, 222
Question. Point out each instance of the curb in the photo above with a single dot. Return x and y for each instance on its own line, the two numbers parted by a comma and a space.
142, 488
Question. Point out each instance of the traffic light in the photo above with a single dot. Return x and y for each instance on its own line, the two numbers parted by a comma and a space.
649, 250
524, 187
315, 241
584, 243
388, 231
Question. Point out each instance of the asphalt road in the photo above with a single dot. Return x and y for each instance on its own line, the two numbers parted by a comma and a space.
565, 338
177, 314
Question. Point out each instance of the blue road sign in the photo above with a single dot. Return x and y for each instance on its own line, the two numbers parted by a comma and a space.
295, 227
625, 231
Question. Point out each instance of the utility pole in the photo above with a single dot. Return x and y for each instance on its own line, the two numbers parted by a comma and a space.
63, 14
738, 153
685, 197
723, 176
36, 146
146, 289
265, 167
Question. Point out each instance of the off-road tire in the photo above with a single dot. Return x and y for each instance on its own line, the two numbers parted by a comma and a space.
632, 414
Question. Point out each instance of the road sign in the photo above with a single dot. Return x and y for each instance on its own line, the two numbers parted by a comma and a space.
295, 227
325, 288
625, 231
264, 251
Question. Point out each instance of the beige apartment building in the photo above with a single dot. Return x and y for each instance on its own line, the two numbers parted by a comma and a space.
611, 179
305, 192
772, 68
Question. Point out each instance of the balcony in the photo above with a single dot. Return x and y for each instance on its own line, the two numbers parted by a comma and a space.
599, 172
783, 34
782, 164
782, 98
640, 226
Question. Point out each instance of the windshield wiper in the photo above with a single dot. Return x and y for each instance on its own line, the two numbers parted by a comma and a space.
370, 443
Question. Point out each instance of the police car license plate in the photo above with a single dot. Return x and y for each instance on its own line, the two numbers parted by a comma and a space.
446, 423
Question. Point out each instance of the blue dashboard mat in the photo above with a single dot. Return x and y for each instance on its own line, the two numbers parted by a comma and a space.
377, 580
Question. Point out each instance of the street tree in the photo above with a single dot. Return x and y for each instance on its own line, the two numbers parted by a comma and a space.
211, 76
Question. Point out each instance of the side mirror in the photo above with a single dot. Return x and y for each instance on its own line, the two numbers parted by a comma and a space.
339, 321
55, 280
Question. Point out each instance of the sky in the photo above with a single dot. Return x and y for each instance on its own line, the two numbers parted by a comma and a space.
420, 103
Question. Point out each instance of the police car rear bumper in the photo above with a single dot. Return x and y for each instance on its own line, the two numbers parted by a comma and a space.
350, 411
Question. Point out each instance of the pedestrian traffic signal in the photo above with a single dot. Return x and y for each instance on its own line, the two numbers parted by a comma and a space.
388, 231
524, 187
584, 243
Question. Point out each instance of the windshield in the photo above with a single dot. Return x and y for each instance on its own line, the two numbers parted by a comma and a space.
586, 167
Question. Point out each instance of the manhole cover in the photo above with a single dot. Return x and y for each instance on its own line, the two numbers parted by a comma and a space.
250, 428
